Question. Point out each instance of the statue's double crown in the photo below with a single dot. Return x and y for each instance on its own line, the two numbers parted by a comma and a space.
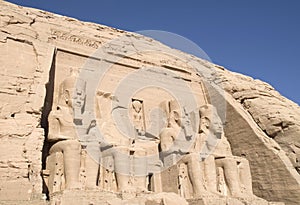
207, 111
73, 82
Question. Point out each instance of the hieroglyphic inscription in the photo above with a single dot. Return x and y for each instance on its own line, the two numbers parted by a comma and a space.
56, 34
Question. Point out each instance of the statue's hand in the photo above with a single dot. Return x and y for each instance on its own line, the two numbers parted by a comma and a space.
182, 152
84, 138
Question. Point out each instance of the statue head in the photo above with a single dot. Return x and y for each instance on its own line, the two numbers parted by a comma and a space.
167, 137
210, 120
181, 118
137, 106
72, 92
173, 113
175, 117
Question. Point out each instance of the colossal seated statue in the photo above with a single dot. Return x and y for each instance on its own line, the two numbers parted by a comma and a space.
211, 167
174, 148
198, 147
122, 157
218, 159
63, 134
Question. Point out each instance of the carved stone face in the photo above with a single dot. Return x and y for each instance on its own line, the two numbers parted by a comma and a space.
214, 124
181, 121
176, 117
137, 106
167, 137
204, 124
75, 98
72, 92
182, 169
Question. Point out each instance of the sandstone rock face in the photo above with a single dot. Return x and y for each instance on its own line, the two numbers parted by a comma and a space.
277, 116
37, 51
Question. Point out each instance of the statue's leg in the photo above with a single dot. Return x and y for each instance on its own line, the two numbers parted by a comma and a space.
71, 152
195, 173
210, 174
245, 176
122, 181
231, 174
92, 165
122, 162
140, 171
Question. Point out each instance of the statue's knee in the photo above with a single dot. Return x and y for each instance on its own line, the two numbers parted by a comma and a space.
57, 147
194, 158
230, 163
244, 162
226, 162
72, 145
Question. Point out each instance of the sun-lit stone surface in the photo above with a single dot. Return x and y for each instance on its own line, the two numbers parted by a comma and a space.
38, 49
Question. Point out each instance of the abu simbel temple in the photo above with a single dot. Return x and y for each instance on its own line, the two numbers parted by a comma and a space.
93, 115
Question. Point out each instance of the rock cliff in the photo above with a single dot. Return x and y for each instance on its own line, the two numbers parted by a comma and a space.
37, 49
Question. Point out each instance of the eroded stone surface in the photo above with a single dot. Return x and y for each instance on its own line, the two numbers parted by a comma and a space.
277, 116
37, 51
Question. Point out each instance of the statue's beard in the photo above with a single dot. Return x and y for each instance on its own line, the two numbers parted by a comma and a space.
218, 135
78, 116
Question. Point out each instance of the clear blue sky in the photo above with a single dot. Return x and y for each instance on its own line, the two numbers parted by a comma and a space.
259, 38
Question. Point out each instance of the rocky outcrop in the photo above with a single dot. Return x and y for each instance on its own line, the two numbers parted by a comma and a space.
277, 116
261, 125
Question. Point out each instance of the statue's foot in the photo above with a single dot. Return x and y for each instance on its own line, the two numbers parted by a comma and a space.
92, 186
142, 190
206, 194
245, 196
